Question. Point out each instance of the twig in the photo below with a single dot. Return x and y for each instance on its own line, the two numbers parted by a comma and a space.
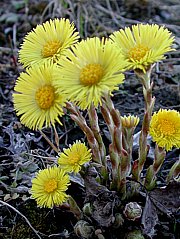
7, 50
14, 39
39, 156
112, 13
56, 137
118, 17
66, 133
64, 234
45, 10
134, 180
49, 142
25, 218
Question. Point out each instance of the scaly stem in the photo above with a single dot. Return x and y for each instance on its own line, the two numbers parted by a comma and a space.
159, 156
93, 118
127, 141
114, 157
118, 156
174, 171
149, 104
77, 117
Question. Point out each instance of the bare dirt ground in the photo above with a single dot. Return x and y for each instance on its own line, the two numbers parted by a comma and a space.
23, 152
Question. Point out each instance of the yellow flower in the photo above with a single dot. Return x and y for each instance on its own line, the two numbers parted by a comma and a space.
47, 42
90, 70
49, 187
74, 157
143, 45
130, 121
165, 128
36, 98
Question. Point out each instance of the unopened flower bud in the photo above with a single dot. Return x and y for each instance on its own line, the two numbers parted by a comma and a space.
118, 220
83, 229
130, 121
132, 211
99, 234
87, 209
136, 234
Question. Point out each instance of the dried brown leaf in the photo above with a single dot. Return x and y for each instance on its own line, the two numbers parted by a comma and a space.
149, 218
167, 199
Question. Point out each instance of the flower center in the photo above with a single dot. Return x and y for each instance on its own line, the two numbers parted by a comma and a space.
45, 97
50, 185
138, 52
50, 48
167, 128
91, 74
74, 158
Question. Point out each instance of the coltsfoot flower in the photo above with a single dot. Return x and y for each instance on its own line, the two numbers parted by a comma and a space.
74, 157
130, 121
49, 187
143, 45
47, 42
90, 71
37, 99
165, 128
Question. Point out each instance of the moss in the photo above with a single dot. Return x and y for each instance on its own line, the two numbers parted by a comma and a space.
39, 219
44, 220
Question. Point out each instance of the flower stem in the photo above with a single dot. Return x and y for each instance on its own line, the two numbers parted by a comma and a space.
49, 142
149, 104
118, 155
77, 117
93, 118
159, 156
174, 171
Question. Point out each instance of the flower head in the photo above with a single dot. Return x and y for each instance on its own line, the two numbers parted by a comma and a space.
37, 99
130, 121
49, 187
74, 157
165, 128
90, 70
143, 45
47, 42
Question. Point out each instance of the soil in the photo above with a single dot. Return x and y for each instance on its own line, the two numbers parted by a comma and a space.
23, 152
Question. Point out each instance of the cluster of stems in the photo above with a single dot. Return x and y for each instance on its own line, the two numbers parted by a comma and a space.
149, 104
159, 153
91, 134
119, 157
119, 152
120, 148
